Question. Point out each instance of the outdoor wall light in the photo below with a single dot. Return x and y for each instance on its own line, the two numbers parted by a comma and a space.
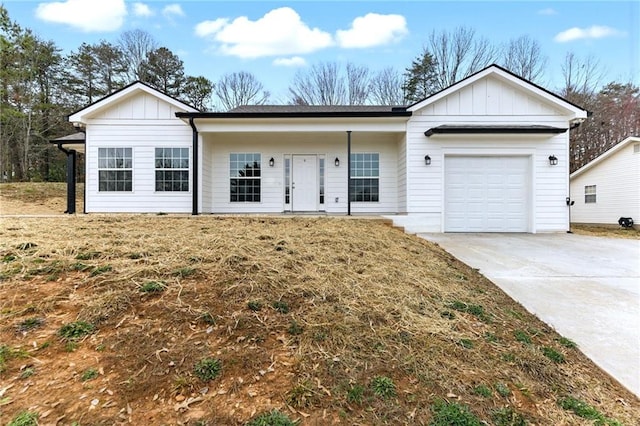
427, 160
272, 162
553, 160
337, 162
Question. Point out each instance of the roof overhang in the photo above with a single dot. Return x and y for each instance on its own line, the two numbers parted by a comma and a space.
72, 142
446, 129
298, 121
604, 156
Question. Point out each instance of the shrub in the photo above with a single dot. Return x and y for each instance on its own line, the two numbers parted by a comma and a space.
207, 369
75, 330
451, 413
153, 287
383, 387
25, 418
272, 418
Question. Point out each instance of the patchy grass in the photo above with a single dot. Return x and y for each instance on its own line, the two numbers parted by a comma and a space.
25, 418
325, 319
612, 231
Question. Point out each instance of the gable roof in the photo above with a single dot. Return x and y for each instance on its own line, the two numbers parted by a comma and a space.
504, 74
315, 108
602, 157
124, 93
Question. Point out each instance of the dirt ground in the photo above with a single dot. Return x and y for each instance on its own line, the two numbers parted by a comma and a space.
329, 321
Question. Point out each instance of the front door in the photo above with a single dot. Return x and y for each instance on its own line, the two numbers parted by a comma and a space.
304, 183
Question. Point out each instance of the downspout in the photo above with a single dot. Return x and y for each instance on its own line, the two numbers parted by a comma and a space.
194, 170
71, 178
348, 172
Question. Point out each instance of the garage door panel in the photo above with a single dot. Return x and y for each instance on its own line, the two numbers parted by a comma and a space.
487, 194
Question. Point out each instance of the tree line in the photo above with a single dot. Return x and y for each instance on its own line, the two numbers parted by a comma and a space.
40, 86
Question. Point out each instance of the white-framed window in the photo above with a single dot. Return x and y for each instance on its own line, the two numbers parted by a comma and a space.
172, 169
115, 169
590, 194
365, 177
244, 177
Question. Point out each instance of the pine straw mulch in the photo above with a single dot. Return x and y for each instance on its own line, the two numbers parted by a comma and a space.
609, 231
302, 313
37, 198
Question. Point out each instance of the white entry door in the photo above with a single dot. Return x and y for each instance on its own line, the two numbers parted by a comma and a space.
487, 194
304, 183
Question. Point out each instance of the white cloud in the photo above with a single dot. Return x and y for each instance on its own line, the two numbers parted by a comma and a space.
549, 11
294, 61
172, 10
85, 15
373, 30
141, 9
593, 32
278, 32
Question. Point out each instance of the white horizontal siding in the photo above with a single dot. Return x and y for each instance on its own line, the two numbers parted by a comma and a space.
617, 181
277, 145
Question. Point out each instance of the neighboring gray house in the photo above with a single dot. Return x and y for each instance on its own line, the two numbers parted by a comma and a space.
608, 187
488, 154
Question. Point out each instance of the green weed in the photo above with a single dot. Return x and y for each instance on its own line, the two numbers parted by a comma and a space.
153, 287
295, 328
567, 343
507, 416
88, 255
30, 324
522, 337
281, 306
254, 305
101, 270
207, 369
553, 355
586, 411
272, 418
25, 418
27, 372
483, 391
355, 394
503, 390
383, 387
75, 330
89, 374
451, 413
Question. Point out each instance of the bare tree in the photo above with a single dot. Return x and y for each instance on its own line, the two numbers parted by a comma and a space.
523, 56
581, 78
358, 78
322, 84
458, 54
135, 46
386, 87
240, 88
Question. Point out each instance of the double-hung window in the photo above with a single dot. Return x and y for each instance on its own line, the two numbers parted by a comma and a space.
115, 170
365, 177
590, 194
244, 177
172, 169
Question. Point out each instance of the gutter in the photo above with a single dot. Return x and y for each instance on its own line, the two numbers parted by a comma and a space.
194, 170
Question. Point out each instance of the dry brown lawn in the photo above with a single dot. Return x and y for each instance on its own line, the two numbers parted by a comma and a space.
606, 231
36, 198
304, 315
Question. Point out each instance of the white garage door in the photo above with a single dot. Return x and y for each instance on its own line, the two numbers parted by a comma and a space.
487, 194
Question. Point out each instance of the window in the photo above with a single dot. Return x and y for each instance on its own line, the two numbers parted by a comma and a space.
287, 180
115, 169
172, 169
244, 173
321, 167
590, 194
365, 173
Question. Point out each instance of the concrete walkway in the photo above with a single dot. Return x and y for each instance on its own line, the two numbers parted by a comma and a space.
587, 288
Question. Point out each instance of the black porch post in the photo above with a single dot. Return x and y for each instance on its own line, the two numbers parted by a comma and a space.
348, 172
71, 181
194, 171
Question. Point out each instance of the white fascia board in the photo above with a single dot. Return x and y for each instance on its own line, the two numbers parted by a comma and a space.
80, 117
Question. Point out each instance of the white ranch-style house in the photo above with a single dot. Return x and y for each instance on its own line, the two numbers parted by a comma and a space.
488, 154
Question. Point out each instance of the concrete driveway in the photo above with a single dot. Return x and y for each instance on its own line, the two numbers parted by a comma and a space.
587, 288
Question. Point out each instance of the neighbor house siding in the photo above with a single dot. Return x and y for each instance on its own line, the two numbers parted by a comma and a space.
142, 123
617, 180
277, 145
484, 103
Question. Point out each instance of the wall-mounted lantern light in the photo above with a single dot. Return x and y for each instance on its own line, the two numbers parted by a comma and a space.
427, 160
272, 162
337, 162
553, 160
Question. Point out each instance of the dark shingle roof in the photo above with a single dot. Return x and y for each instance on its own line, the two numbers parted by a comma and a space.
286, 109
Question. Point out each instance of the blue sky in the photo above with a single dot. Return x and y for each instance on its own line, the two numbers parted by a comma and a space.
273, 40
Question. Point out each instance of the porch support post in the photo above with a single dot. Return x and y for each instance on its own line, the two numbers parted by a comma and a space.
71, 179
348, 172
194, 168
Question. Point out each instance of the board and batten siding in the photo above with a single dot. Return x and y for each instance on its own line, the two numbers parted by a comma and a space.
143, 123
617, 180
332, 145
486, 102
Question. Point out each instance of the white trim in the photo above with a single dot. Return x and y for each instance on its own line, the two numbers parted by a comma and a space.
497, 72
81, 116
604, 156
